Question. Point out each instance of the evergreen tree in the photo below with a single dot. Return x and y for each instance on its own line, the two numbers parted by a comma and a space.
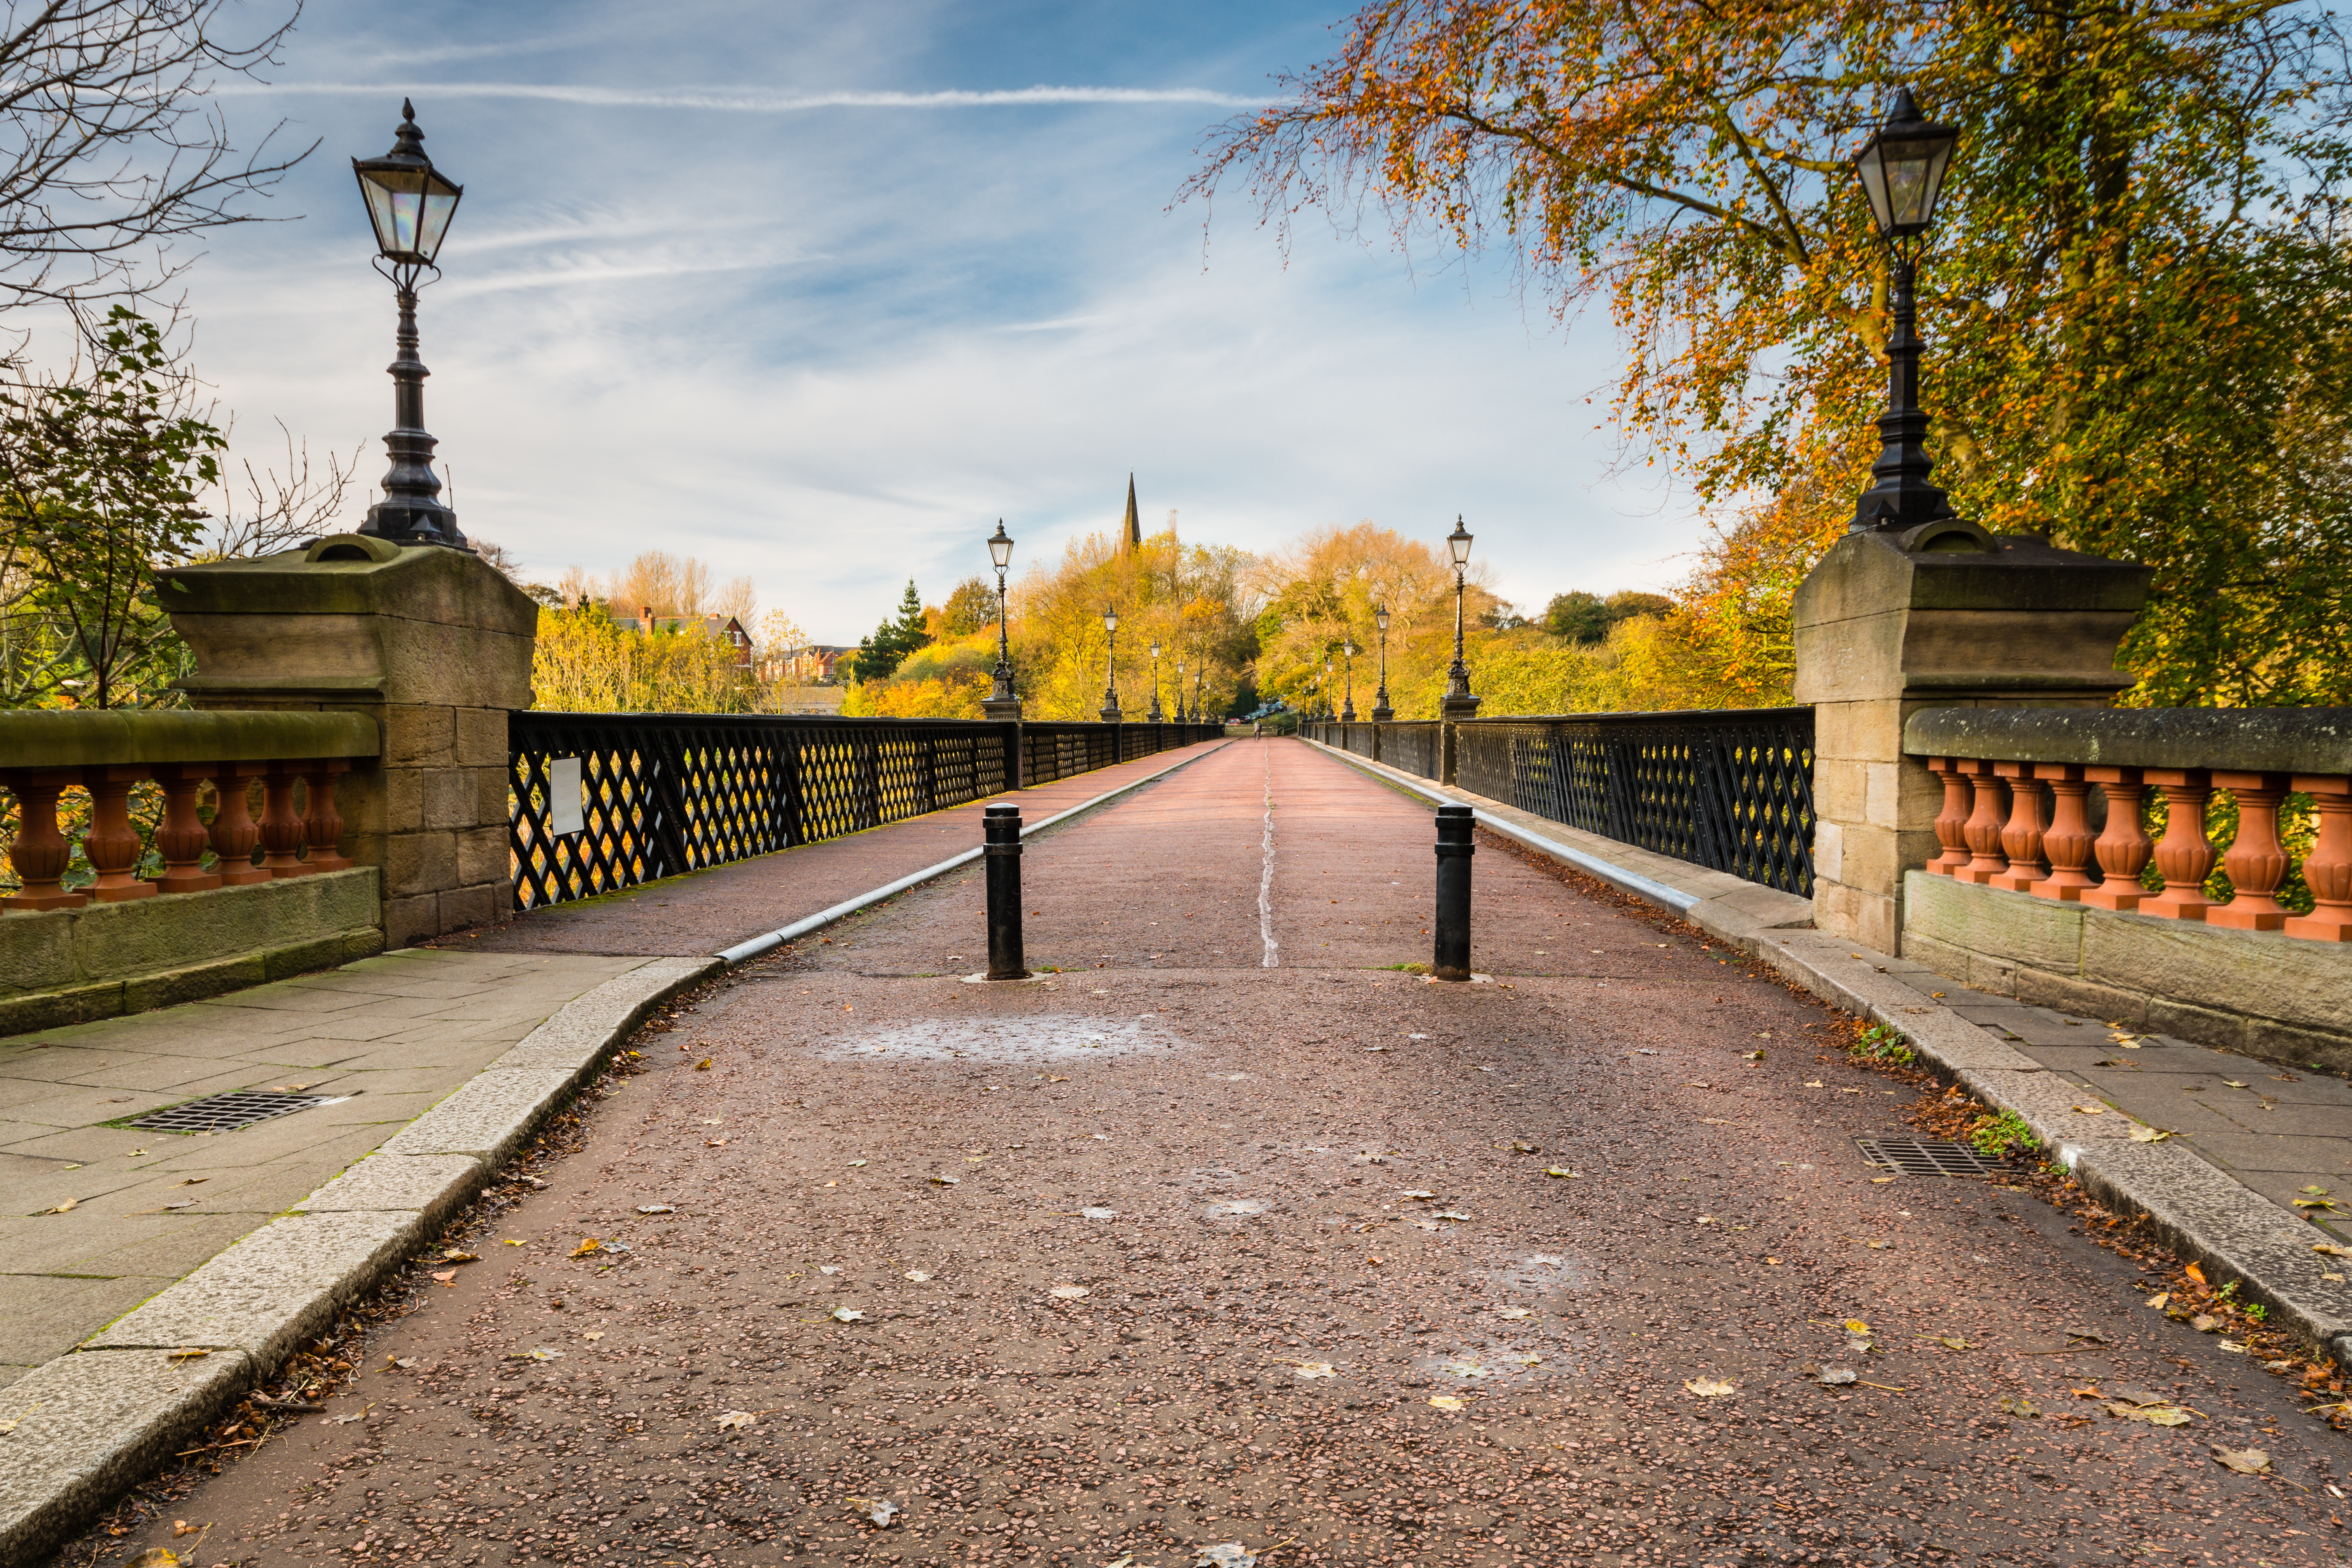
880, 655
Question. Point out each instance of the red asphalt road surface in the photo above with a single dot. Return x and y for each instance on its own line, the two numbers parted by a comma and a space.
1180, 1248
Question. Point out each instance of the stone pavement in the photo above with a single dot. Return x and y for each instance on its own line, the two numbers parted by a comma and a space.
387, 1036
1239, 1238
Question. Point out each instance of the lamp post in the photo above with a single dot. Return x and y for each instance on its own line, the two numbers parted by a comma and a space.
1002, 701
1458, 702
1349, 714
1200, 691
1111, 665
409, 204
1155, 681
1902, 169
1381, 711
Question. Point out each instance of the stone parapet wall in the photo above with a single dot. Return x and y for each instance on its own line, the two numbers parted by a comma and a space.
75, 966
2269, 995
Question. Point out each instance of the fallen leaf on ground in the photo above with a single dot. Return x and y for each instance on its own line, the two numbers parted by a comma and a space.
2231, 1083
1308, 1370
190, 1355
454, 1256
2091, 1110
1556, 1170
2021, 1407
1955, 1343
2091, 1393
1229, 1555
656, 1208
156, 1557
195, 1181
917, 1275
512, 1242
1514, 1311
1710, 1387
2087, 1336
1420, 1192
181, 1527
1099, 1214
1837, 1376
1464, 1369
1450, 1213
2316, 1192
1068, 1292
943, 1181
2154, 1415
65, 1207
358, 1415
2159, 1299
446, 1277
588, 1245
854, 1165
2205, 1322
593, 1335
737, 1418
1880, 1181
1445, 1401
847, 1315
405, 1362
2234, 1346
1812, 1083
1751, 1055
2195, 1273
2331, 1249
2245, 1461
828, 1268
881, 1511
702, 1066
2142, 1132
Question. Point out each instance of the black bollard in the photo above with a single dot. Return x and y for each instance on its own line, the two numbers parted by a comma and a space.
1000, 825
1455, 847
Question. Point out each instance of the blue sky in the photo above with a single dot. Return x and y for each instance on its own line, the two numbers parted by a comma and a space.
728, 279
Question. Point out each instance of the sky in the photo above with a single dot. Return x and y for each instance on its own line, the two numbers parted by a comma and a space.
818, 292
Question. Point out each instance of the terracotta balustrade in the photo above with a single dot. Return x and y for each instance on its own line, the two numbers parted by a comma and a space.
2054, 802
111, 754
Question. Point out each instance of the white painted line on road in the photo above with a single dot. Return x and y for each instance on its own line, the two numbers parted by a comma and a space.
800, 927
1265, 877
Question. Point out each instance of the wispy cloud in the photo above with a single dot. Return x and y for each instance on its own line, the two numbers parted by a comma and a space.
750, 102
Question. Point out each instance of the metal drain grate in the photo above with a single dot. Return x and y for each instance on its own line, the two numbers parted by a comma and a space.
1926, 1157
222, 1112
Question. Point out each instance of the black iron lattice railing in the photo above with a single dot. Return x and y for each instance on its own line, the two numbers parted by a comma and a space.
1730, 789
664, 794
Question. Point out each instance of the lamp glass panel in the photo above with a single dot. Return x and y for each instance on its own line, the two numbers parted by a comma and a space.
1874, 188
1459, 544
1000, 549
1110, 620
440, 203
1906, 186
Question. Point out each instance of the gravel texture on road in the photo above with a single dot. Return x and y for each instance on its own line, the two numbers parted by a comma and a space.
1313, 1260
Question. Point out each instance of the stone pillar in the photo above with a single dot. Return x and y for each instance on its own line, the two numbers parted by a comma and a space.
431, 643
1939, 615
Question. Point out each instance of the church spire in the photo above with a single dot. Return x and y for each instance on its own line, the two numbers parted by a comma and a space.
1134, 536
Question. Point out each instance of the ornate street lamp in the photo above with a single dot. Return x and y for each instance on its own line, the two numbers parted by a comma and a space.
1381, 711
1003, 702
1111, 665
1155, 681
1201, 693
1349, 714
1179, 690
1902, 168
410, 205
1458, 702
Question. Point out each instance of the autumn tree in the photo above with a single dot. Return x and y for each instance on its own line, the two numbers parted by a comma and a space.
2131, 301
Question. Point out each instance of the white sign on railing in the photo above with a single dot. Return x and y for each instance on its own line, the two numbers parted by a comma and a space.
564, 796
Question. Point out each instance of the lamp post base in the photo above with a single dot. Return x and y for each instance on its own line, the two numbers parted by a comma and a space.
1007, 709
1383, 714
1462, 707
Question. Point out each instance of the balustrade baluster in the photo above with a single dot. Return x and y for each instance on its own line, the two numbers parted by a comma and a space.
322, 824
2021, 835
281, 828
234, 834
1982, 830
2184, 855
41, 853
2327, 869
1951, 823
2124, 844
182, 836
111, 845
2255, 861
2067, 840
